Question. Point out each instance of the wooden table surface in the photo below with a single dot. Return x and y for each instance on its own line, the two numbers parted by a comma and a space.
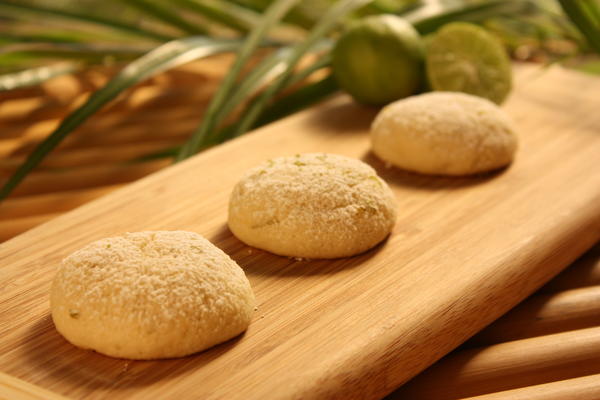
464, 251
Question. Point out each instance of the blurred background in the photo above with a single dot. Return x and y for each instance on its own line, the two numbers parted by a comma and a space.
98, 93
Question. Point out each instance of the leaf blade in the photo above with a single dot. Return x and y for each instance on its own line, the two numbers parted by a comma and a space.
471, 13
227, 14
273, 15
323, 26
585, 15
165, 15
298, 100
35, 76
166, 56
47, 12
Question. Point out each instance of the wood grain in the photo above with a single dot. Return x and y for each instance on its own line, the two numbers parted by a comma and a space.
19, 214
545, 314
12, 388
582, 388
509, 365
585, 274
13, 227
543, 367
463, 252
571, 301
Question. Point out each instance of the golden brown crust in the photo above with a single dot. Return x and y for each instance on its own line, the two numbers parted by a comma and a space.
148, 295
312, 206
444, 133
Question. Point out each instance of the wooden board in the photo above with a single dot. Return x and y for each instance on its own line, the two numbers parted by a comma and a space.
547, 347
462, 253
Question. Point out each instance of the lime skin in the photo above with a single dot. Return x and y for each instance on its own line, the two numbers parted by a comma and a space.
379, 59
463, 57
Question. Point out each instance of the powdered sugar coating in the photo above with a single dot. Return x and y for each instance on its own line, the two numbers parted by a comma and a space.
445, 133
148, 295
312, 206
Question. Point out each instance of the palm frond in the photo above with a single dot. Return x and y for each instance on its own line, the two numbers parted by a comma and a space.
398, 7
299, 99
18, 9
35, 76
268, 91
164, 57
591, 66
585, 14
29, 58
304, 97
472, 13
323, 61
165, 15
83, 48
271, 17
225, 13
49, 37
329, 21
28, 53
265, 71
260, 74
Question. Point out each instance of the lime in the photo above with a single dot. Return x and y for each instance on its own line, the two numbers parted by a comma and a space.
379, 60
463, 57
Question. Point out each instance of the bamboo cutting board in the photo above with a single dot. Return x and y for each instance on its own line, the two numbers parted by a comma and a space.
463, 252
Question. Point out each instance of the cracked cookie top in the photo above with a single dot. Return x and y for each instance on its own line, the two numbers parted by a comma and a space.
312, 205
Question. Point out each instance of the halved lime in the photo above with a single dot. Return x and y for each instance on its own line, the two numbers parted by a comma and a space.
463, 57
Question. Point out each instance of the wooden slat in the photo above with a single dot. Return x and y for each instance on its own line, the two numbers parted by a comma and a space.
582, 388
463, 252
508, 365
545, 314
475, 372
12, 388
585, 273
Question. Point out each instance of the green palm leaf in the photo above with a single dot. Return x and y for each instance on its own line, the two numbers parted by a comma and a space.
165, 15
585, 14
321, 29
228, 14
164, 57
35, 76
265, 71
71, 51
257, 89
52, 37
270, 18
258, 76
472, 13
303, 97
77, 16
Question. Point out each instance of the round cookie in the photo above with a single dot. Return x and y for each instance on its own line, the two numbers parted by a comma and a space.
149, 295
312, 206
444, 133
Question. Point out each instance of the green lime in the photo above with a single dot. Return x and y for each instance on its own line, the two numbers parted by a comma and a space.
463, 57
379, 60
